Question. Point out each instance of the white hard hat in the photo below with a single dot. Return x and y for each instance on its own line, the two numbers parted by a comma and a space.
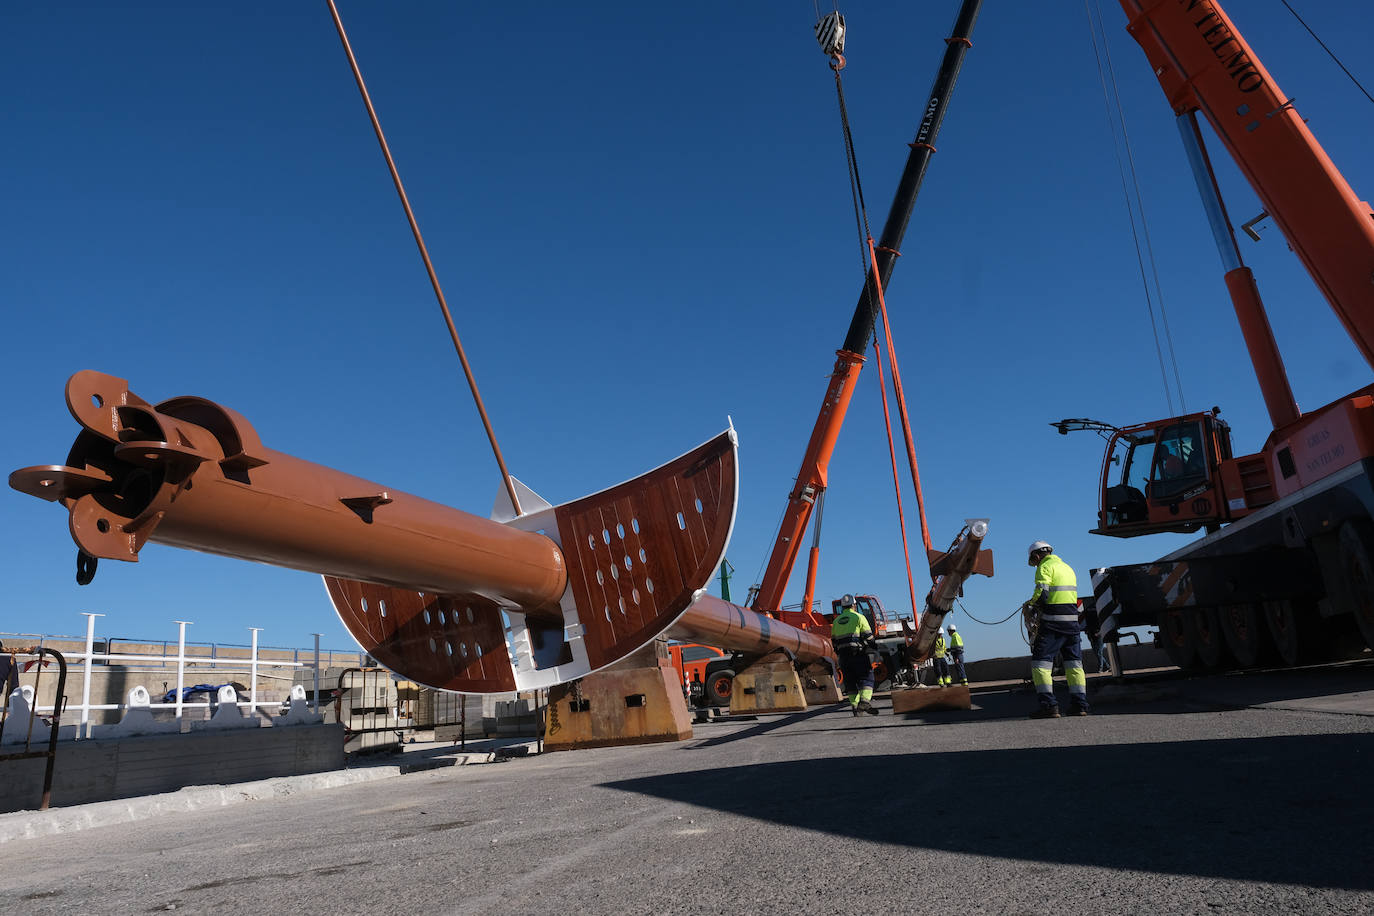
1039, 545
847, 601
942, 631
952, 628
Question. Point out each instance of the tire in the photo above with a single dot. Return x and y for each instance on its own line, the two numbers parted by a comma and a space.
719, 686
1285, 630
1177, 639
1246, 635
881, 674
1207, 637
1358, 567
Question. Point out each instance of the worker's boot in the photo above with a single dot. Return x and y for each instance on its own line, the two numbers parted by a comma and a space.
871, 710
865, 707
855, 711
1046, 712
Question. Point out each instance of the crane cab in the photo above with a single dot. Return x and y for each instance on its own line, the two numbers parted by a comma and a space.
1165, 476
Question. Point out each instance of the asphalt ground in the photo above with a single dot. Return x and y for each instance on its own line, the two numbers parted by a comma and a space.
1237, 794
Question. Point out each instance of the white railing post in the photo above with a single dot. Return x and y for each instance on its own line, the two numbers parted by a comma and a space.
181, 660
253, 680
84, 731
315, 701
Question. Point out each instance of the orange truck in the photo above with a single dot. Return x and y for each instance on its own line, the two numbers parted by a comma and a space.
705, 671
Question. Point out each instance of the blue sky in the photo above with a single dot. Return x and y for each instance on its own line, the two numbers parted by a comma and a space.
640, 216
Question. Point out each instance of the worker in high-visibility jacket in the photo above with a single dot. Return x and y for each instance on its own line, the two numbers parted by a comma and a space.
956, 654
938, 653
1054, 607
851, 635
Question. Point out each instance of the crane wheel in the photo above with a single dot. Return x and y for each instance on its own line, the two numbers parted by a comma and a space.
1243, 628
1358, 567
1207, 636
1282, 620
1175, 636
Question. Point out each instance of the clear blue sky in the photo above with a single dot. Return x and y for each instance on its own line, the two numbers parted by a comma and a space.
640, 216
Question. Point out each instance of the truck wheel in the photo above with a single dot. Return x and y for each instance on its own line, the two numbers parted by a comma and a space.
1176, 636
1359, 572
719, 685
881, 674
1283, 624
1211, 645
1245, 633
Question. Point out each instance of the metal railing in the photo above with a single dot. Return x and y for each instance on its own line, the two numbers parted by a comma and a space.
11, 677
98, 653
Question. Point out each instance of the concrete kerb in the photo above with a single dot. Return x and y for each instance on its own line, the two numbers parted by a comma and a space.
413, 758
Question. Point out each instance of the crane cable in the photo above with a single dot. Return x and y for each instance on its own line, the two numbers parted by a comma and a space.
1329, 52
869, 258
424, 256
1134, 203
896, 480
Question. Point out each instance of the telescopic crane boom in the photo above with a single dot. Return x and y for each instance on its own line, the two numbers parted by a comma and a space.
1290, 543
811, 478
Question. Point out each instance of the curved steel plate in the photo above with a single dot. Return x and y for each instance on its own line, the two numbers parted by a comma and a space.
636, 554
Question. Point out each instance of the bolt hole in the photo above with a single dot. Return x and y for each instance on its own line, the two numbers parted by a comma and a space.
97, 401
681, 522
102, 525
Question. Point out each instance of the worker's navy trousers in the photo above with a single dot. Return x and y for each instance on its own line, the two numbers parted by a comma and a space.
958, 656
857, 671
1049, 643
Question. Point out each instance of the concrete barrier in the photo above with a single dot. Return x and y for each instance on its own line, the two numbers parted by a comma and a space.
102, 770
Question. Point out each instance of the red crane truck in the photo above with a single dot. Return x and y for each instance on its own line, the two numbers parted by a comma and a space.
1287, 552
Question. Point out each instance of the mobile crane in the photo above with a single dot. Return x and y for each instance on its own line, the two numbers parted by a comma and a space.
1288, 549
808, 492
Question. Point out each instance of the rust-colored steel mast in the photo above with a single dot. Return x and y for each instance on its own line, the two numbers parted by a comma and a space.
424, 255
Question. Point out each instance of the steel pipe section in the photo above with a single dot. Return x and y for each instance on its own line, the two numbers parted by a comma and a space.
190, 473
716, 622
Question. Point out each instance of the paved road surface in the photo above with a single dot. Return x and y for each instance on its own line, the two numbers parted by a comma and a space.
1248, 794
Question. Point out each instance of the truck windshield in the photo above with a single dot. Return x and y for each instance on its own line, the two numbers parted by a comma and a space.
1180, 460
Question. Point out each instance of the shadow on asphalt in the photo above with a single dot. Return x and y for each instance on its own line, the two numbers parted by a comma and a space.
1287, 809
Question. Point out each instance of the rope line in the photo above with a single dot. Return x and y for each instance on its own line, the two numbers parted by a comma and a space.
1328, 51
424, 256
1132, 205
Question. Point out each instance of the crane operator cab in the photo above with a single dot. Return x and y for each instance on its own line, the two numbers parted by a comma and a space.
1165, 476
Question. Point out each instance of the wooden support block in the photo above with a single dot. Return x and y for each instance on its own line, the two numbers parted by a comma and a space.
819, 687
916, 699
770, 684
618, 706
